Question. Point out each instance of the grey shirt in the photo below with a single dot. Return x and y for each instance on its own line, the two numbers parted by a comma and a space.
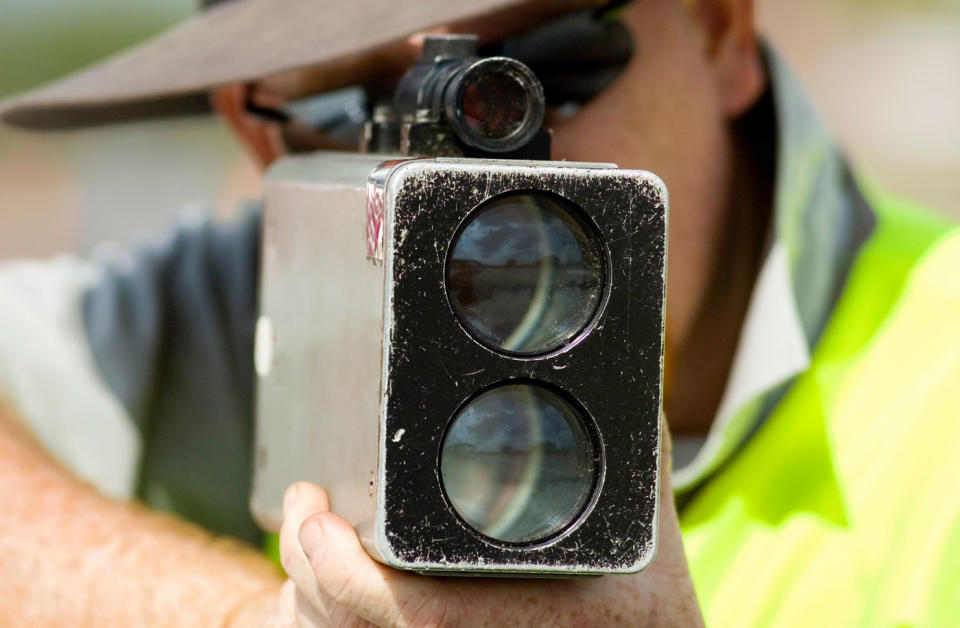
172, 334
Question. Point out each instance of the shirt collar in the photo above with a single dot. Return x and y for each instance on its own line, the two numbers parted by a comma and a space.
819, 222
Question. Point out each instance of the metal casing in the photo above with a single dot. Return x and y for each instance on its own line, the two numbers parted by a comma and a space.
319, 337
393, 377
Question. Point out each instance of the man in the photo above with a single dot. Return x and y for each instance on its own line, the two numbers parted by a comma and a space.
811, 355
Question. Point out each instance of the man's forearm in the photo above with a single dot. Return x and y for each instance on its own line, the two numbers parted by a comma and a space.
70, 556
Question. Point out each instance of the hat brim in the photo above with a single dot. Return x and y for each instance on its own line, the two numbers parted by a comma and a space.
236, 42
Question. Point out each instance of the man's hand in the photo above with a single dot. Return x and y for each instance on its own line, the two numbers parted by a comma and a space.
334, 582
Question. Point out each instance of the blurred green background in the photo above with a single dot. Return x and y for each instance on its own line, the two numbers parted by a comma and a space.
884, 74
42, 39
70, 191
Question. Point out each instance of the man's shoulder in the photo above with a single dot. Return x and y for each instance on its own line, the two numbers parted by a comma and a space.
857, 462
904, 237
906, 226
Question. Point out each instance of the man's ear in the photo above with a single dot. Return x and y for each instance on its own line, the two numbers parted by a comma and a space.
731, 45
262, 138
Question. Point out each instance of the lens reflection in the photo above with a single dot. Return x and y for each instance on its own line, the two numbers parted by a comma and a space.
495, 105
517, 463
525, 275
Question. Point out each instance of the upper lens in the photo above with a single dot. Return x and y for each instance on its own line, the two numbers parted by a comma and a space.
518, 464
525, 274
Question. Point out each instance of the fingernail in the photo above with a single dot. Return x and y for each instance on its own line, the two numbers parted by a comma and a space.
289, 496
311, 536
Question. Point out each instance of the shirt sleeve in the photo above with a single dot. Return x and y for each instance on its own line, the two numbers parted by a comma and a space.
49, 376
171, 331
135, 369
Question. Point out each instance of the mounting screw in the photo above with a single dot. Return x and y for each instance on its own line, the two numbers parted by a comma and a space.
449, 46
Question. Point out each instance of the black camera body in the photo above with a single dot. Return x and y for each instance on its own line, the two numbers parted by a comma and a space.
466, 352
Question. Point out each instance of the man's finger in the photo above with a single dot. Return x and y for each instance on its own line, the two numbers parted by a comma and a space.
330, 616
299, 502
348, 577
285, 615
304, 497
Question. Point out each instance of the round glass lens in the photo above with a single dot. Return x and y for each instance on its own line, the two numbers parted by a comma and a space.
495, 104
525, 274
517, 463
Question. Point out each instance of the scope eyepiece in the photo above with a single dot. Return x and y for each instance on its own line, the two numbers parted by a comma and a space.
494, 104
453, 103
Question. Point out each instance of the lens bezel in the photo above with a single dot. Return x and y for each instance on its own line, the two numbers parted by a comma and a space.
589, 426
594, 236
430, 365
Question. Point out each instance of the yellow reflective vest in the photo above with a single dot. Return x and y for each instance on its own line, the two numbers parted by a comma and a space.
844, 508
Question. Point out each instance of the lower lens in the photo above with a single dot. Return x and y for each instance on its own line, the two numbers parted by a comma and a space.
517, 463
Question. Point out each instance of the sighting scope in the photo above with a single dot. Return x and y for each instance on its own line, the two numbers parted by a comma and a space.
452, 103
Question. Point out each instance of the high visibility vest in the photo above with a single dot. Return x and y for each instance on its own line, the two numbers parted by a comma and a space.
844, 508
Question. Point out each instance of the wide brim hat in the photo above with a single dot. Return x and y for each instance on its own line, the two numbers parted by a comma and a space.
239, 41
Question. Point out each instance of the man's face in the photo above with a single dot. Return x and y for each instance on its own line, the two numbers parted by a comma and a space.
664, 114
669, 113
694, 67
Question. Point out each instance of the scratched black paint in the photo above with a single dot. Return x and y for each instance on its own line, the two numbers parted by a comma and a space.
434, 366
